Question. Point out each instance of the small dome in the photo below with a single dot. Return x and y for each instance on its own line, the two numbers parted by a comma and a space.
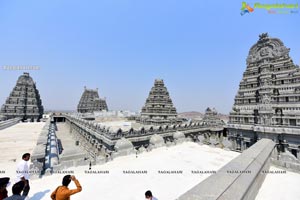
158, 80
142, 149
178, 135
156, 140
123, 144
114, 129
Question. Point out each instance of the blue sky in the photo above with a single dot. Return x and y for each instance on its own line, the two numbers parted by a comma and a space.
121, 46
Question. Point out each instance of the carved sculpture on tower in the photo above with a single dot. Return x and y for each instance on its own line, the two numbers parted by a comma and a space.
24, 101
158, 108
90, 102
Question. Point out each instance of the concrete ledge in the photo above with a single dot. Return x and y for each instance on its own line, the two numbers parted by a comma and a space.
38, 156
239, 179
9, 122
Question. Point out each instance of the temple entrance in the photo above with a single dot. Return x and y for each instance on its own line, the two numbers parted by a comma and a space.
238, 143
279, 113
257, 95
294, 152
225, 132
59, 119
248, 145
255, 116
293, 122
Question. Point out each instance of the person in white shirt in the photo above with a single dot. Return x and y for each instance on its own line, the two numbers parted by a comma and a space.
23, 173
149, 196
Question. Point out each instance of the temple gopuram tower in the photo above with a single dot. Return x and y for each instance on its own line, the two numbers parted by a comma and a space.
158, 108
90, 102
24, 101
267, 104
212, 119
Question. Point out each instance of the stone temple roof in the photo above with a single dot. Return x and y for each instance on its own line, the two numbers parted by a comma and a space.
91, 90
266, 47
208, 109
159, 108
269, 90
25, 79
90, 101
24, 101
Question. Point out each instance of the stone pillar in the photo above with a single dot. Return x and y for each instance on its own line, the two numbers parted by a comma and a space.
242, 145
71, 127
284, 146
234, 144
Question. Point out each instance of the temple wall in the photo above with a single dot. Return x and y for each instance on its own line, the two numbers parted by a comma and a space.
107, 137
38, 156
239, 136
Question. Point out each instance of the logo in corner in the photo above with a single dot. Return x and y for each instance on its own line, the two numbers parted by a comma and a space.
246, 8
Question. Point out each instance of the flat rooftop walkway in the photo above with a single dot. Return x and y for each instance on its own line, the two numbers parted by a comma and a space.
280, 184
70, 149
17, 140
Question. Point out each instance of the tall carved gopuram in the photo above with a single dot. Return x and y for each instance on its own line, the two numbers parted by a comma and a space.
267, 104
158, 108
24, 101
90, 102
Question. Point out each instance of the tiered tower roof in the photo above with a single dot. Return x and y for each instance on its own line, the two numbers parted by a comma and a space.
90, 102
158, 108
211, 118
269, 93
24, 101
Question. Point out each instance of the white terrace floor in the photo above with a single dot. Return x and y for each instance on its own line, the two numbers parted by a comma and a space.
117, 184
17, 140
280, 186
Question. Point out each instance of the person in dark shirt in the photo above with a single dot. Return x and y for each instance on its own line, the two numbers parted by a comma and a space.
149, 196
16, 190
3, 184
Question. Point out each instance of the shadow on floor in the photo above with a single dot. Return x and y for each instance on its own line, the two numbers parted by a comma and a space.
39, 195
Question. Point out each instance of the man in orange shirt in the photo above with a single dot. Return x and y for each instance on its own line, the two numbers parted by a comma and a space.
63, 192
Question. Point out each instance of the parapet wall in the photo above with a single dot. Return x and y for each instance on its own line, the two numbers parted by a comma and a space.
239, 179
38, 155
9, 122
98, 134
